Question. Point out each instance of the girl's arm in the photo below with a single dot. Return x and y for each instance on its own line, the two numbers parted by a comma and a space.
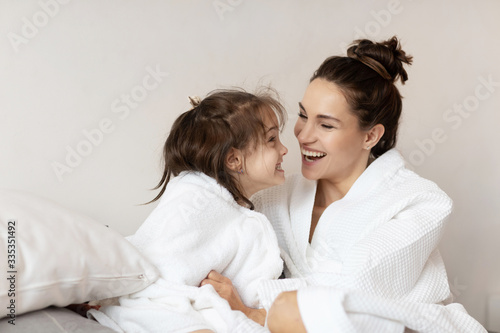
83, 308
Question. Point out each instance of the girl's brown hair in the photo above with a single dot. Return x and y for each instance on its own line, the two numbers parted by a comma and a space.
366, 77
201, 138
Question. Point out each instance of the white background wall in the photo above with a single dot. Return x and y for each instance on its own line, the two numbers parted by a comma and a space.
66, 65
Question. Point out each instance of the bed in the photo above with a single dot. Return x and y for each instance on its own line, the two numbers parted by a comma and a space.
52, 320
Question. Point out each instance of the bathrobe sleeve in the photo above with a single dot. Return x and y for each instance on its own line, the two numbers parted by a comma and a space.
393, 278
398, 258
327, 309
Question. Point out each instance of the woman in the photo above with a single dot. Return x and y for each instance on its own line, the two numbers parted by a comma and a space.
356, 220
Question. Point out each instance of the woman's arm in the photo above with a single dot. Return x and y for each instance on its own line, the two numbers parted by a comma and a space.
226, 290
284, 315
398, 259
268, 292
327, 309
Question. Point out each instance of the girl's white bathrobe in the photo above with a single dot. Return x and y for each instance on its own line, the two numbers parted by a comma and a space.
375, 250
197, 227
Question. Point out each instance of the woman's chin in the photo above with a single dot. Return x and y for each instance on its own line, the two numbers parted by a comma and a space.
309, 174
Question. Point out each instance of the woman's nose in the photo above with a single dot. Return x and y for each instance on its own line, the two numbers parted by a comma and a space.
304, 132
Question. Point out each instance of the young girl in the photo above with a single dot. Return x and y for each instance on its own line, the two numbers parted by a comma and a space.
217, 155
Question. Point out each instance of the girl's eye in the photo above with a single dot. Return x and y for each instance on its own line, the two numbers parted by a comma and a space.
303, 116
272, 139
327, 126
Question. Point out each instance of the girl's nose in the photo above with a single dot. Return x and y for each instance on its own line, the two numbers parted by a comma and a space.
284, 150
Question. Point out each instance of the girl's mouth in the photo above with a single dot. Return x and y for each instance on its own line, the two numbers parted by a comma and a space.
312, 156
278, 167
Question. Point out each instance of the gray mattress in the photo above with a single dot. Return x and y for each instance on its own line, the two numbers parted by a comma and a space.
52, 320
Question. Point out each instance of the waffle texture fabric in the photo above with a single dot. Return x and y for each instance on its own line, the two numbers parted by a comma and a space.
379, 242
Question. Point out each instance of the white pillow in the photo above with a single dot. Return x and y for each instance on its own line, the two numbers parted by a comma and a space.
62, 257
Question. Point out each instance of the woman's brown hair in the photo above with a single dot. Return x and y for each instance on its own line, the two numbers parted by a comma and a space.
366, 77
201, 138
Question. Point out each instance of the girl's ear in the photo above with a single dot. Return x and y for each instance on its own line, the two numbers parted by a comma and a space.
234, 160
374, 135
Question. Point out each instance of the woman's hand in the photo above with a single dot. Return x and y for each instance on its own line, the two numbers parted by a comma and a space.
284, 315
226, 290
224, 287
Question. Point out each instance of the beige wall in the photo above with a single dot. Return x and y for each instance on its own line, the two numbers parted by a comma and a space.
69, 131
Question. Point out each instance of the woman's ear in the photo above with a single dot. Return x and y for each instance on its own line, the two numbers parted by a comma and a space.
374, 135
234, 160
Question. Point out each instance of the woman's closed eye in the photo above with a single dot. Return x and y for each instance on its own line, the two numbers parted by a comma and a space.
326, 126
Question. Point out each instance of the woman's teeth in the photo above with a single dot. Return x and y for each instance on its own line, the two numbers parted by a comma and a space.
311, 156
278, 167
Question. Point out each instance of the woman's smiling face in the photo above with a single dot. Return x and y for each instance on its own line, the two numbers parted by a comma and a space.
333, 147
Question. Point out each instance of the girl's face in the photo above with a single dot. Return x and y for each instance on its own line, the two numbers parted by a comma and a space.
262, 168
332, 145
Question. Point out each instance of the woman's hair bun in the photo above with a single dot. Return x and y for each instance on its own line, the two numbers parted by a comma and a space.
386, 58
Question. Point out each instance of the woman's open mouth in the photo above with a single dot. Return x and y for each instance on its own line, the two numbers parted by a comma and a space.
278, 167
312, 156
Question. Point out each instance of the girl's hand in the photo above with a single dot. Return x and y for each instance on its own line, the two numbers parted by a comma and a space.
226, 290
82, 309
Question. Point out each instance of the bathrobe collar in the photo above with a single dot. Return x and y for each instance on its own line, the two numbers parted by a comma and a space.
302, 198
208, 185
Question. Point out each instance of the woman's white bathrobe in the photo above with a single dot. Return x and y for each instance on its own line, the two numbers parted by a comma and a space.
376, 245
197, 227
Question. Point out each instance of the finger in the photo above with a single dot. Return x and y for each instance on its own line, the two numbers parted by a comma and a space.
213, 275
222, 289
217, 285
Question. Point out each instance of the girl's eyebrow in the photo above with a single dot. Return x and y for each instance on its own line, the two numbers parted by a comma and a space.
321, 116
272, 128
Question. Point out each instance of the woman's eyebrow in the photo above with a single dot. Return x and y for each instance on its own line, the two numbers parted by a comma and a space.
321, 116
326, 116
302, 107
